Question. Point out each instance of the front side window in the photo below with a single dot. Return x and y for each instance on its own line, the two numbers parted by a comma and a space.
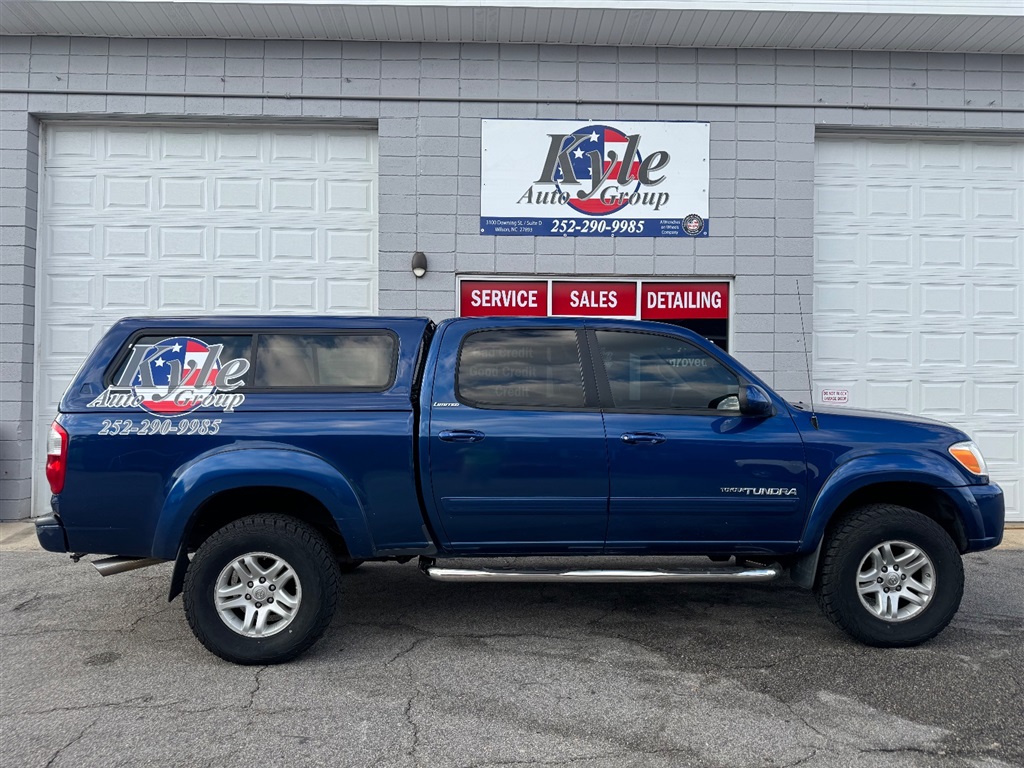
521, 368
342, 361
652, 372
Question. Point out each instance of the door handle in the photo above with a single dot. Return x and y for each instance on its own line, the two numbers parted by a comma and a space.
460, 435
643, 438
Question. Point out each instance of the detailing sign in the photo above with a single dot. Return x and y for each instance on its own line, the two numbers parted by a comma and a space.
561, 178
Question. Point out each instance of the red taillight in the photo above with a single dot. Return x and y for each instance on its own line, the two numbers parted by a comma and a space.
56, 457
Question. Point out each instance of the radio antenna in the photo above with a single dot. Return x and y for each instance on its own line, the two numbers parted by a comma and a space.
807, 355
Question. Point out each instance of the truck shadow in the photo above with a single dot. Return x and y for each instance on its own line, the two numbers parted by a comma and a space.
757, 621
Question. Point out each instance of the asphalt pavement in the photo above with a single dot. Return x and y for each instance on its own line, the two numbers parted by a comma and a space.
104, 672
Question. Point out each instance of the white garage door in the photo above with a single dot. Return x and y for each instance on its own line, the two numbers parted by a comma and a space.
194, 220
919, 286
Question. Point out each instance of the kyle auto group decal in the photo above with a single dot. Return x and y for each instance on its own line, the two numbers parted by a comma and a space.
175, 377
567, 179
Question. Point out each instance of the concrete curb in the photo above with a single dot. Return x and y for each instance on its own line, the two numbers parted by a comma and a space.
20, 536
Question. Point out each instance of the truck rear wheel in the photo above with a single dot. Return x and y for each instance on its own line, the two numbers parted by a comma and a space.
890, 577
261, 590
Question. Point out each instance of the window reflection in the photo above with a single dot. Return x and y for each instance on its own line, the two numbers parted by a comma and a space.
331, 361
653, 372
521, 368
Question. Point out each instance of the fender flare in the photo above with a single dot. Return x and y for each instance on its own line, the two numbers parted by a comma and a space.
875, 469
275, 466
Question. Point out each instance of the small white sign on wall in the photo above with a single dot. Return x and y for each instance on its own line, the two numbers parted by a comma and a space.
835, 396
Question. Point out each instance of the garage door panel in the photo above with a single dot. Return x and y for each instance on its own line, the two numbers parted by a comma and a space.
194, 219
1004, 399
177, 243
944, 400
997, 301
68, 191
71, 144
126, 193
1000, 203
349, 296
919, 286
181, 294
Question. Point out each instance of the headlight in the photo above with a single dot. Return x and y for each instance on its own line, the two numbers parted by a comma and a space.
969, 457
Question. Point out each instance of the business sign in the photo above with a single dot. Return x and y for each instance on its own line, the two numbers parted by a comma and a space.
576, 298
588, 297
520, 298
562, 178
678, 301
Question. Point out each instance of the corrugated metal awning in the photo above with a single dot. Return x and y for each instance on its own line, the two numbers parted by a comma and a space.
996, 26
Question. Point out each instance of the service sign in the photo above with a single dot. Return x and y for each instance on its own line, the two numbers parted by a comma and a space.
521, 298
561, 178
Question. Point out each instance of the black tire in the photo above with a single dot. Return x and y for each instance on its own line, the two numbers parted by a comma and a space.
294, 542
347, 566
853, 540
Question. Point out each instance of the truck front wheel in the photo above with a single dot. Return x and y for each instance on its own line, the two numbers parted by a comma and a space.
261, 590
890, 577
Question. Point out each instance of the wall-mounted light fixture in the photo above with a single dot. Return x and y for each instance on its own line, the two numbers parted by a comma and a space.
419, 264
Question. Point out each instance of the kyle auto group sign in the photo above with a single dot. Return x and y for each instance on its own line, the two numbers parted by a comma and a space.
643, 299
561, 178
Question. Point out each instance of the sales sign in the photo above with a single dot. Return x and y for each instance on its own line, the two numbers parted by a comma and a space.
561, 178
583, 299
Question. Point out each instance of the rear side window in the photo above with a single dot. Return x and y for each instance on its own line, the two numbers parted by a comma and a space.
521, 368
363, 362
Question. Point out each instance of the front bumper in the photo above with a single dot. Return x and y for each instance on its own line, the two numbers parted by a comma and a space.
50, 532
991, 515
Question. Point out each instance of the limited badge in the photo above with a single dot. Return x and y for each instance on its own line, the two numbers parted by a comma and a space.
693, 224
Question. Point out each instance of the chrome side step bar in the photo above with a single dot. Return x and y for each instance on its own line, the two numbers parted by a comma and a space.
710, 575
108, 566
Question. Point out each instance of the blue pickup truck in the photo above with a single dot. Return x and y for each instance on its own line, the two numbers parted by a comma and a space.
267, 456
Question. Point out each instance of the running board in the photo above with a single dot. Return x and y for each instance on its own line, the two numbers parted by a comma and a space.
711, 575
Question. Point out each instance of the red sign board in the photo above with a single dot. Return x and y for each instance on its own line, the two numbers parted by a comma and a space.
684, 301
579, 298
586, 298
480, 298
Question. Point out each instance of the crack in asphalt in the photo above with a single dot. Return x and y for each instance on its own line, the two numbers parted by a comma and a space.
411, 721
128, 703
256, 690
405, 651
56, 755
582, 758
802, 760
134, 625
801, 718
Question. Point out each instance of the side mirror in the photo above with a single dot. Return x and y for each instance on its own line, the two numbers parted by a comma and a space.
755, 402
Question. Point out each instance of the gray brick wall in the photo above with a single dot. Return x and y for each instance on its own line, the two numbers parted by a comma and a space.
761, 158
